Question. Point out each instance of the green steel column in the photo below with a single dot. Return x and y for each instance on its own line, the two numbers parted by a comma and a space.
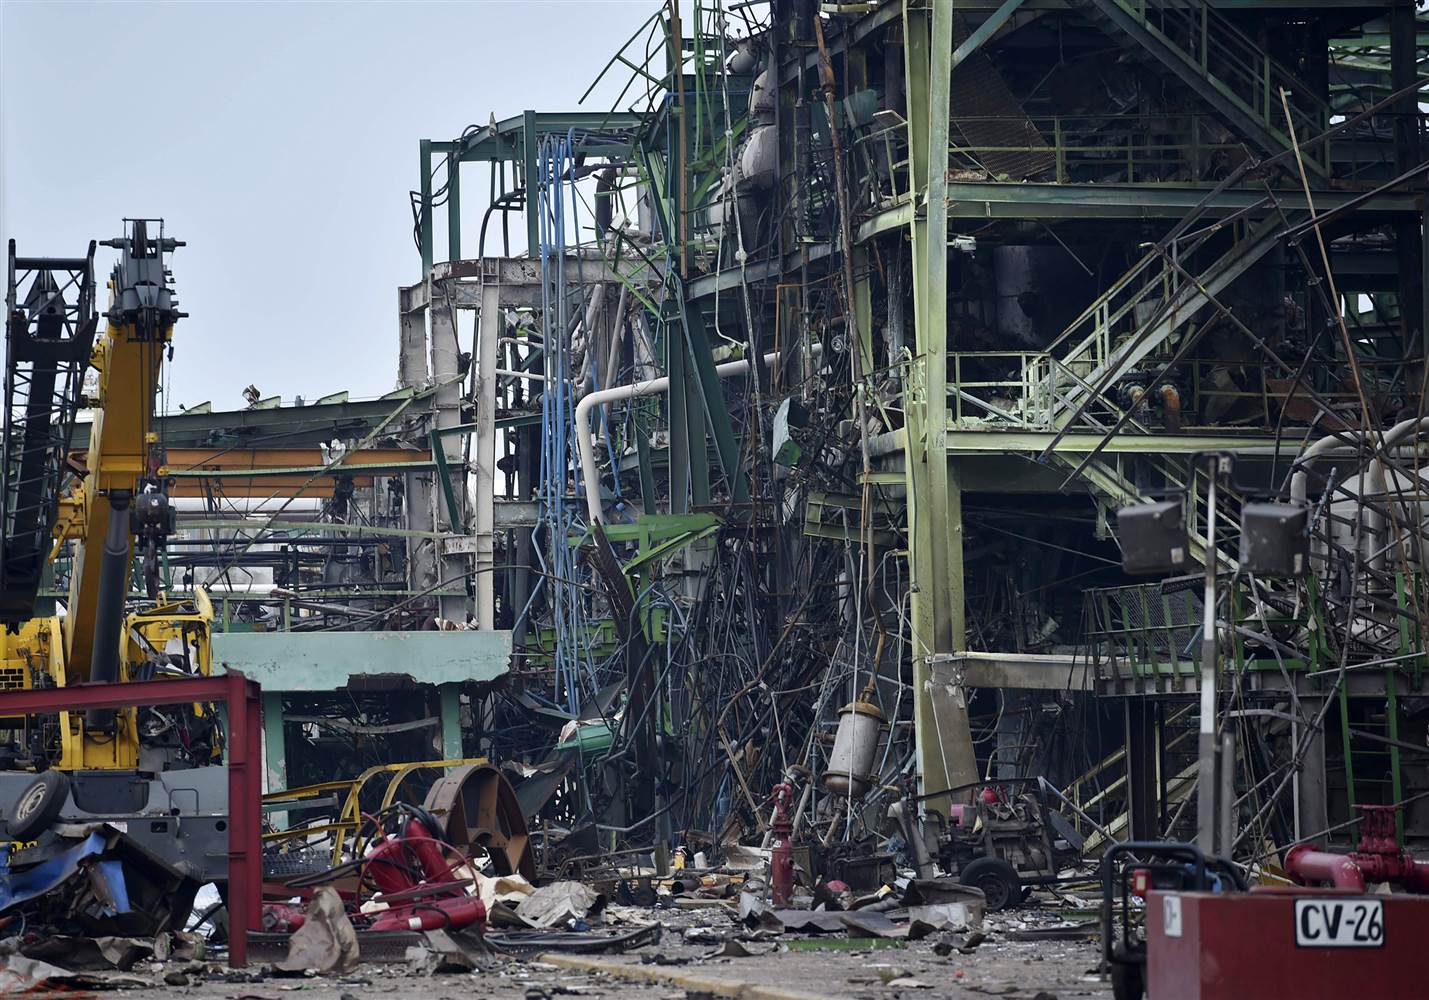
529, 152
679, 450
696, 436
943, 741
453, 207
863, 307
706, 382
649, 502
451, 720
425, 184
275, 756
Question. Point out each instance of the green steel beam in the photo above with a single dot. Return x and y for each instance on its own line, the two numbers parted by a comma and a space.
443, 469
306, 470
696, 436
518, 420
439, 458
972, 442
197, 522
984, 31
326, 661
988, 200
649, 502
715, 412
275, 755
504, 139
450, 697
278, 427
680, 452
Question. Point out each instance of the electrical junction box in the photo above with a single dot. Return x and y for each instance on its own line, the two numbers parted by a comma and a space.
1273, 539
1153, 538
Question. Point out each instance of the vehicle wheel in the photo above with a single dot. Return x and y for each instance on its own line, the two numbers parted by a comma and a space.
39, 805
1126, 981
997, 879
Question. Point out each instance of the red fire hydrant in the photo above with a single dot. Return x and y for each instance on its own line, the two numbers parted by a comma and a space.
781, 857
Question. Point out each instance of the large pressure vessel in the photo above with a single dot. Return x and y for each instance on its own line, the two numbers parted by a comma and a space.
855, 746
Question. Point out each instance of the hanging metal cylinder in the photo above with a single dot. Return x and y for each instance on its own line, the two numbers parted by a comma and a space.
855, 747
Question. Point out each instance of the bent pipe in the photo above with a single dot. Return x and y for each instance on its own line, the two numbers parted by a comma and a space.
1332, 446
585, 437
1305, 864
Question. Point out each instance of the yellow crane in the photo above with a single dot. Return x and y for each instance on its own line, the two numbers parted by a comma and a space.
113, 504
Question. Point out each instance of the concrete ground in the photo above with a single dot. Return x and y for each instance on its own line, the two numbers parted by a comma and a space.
791, 968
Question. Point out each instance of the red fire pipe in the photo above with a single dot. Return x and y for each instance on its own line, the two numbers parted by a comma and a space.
1377, 858
1305, 864
781, 857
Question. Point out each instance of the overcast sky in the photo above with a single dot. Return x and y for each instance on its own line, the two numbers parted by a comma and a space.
280, 141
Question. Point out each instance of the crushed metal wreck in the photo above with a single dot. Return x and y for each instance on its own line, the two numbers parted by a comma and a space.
912, 470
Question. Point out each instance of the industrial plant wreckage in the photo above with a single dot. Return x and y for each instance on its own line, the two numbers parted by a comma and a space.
919, 440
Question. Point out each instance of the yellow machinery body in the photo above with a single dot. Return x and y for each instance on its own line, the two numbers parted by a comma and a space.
60, 650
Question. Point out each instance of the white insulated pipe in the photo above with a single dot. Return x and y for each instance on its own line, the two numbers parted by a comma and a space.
585, 437
1372, 482
1326, 447
238, 507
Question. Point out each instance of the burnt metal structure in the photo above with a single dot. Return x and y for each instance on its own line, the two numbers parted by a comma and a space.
242, 700
50, 323
848, 332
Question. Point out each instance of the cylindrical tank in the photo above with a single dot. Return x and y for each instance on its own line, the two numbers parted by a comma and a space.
762, 99
758, 162
855, 746
744, 58
1381, 546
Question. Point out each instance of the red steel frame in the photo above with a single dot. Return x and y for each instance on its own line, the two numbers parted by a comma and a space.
245, 783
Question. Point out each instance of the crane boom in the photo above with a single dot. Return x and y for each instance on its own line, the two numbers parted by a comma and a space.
122, 458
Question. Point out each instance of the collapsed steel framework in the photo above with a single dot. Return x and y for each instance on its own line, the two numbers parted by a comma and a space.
830, 358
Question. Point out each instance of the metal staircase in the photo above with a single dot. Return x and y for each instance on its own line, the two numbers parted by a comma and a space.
1132, 320
1101, 791
1105, 478
1215, 60
49, 332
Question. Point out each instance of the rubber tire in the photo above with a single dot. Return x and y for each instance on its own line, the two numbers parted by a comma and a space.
39, 805
998, 881
1127, 981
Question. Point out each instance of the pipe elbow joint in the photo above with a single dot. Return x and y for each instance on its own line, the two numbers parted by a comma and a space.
1305, 865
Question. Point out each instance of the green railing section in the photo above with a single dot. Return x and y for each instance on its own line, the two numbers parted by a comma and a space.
1151, 631
1148, 635
1072, 383
1121, 149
